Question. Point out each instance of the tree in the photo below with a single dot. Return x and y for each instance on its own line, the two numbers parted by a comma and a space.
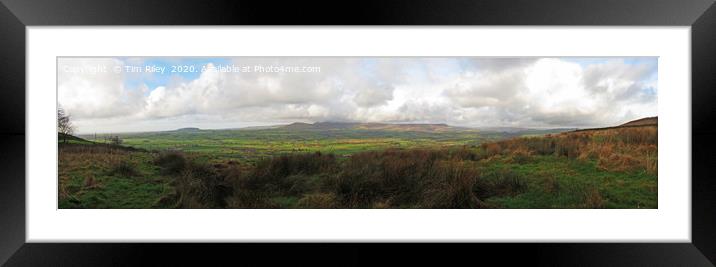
64, 124
115, 140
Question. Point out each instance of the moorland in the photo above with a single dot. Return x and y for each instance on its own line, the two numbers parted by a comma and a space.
362, 165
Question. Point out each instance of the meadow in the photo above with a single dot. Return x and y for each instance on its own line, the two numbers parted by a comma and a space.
249, 145
363, 168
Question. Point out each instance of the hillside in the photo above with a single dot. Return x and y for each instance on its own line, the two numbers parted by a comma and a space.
643, 122
71, 139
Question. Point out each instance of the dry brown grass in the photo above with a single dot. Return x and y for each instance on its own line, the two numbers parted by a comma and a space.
616, 149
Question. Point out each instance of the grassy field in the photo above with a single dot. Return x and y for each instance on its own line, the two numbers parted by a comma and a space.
251, 145
102, 176
554, 182
362, 168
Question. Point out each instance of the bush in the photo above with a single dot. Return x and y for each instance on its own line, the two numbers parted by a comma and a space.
246, 191
491, 149
270, 174
520, 155
171, 162
450, 186
359, 192
392, 174
199, 187
124, 168
465, 153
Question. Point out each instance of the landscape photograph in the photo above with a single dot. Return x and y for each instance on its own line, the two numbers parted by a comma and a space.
357, 132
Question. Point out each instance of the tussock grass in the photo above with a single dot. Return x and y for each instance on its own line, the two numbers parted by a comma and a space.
617, 149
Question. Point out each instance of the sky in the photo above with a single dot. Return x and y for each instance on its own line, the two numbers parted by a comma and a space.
122, 94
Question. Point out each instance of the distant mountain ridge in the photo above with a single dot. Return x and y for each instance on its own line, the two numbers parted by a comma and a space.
411, 127
188, 129
419, 127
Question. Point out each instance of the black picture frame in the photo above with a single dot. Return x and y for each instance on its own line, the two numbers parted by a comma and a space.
15, 15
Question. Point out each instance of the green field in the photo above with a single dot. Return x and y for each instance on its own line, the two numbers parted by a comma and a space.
360, 168
250, 145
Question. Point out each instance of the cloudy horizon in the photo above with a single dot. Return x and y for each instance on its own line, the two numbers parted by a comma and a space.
143, 94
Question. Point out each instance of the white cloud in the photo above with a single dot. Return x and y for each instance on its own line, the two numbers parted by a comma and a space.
86, 92
531, 92
554, 92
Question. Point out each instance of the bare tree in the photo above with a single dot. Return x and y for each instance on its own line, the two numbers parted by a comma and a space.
64, 124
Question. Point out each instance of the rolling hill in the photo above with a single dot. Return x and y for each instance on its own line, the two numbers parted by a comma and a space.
650, 121
644, 122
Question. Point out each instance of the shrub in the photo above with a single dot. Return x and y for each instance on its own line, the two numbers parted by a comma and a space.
450, 186
285, 165
171, 162
376, 176
246, 189
541, 146
520, 155
491, 149
199, 187
359, 192
568, 147
465, 153
270, 174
